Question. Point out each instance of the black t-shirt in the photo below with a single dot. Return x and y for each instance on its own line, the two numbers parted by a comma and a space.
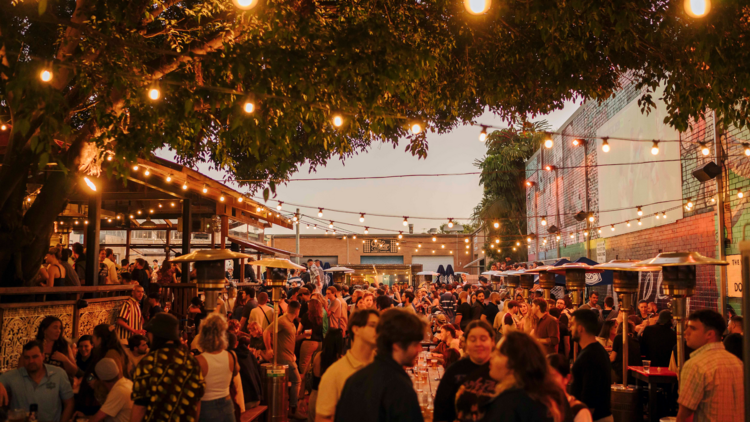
657, 342
592, 377
464, 310
463, 392
477, 310
515, 405
634, 353
490, 311
154, 310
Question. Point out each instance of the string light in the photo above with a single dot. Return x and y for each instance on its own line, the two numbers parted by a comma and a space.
135, 167
109, 156
483, 134
362, 218
746, 146
664, 214
657, 215
492, 246
400, 235
240, 199
627, 223
585, 234
689, 203
477, 7
169, 177
4, 127
697, 8
740, 194
434, 239
147, 172
639, 222
315, 227
320, 212
640, 211
655, 148
599, 231
612, 227
330, 225
466, 240
278, 207
576, 142
544, 221
205, 188
338, 120
249, 107
605, 144
549, 167
419, 245
557, 237
416, 128
442, 246
591, 217
529, 183
704, 148
572, 235
406, 221
548, 142
496, 225
450, 223
184, 185
171, 204
154, 93
367, 230
45, 75
354, 236
497, 240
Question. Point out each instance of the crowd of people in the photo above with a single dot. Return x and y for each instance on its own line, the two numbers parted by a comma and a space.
505, 357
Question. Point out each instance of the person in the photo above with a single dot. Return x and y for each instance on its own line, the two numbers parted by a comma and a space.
130, 320
491, 310
477, 309
526, 390
616, 356
244, 304
344, 319
609, 308
107, 345
711, 381
262, 314
54, 274
463, 312
525, 319
389, 393
735, 325
362, 331
448, 302
733, 344
407, 302
83, 356
154, 304
109, 261
593, 304
140, 274
560, 370
35, 383
118, 405
607, 334
332, 349
315, 277
219, 368
138, 346
658, 340
547, 331
336, 310
79, 264
506, 321
287, 338
592, 370
71, 277
312, 324
447, 351
168, 382
54, 346
467, 386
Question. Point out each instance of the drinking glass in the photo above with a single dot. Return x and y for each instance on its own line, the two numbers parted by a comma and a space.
646, 365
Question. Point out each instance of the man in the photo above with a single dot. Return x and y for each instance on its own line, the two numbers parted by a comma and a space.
735, 325
33, 382
490, 311
130, 319
80, 262
138, 346
118, 405
305, 274
592, 304
140, 274
303, 297
154, 304
155, 265
316, 277
109, 257
658, 340
448, 302
335, 310
508, 322
592, 370
407, 301
243, 301
262, 314
168, 382
711, 381
361, 327
382, 391
344, 307
642, 310
547, 330
609, 308
383, 303
287, 338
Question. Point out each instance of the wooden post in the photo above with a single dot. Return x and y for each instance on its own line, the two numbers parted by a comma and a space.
186, 225
224, 231
128, 233
242, 266
92, 239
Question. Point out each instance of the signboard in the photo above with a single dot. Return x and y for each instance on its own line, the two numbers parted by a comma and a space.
380, 246
601, 251
734, 276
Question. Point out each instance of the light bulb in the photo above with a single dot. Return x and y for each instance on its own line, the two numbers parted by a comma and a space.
548, 143
135, 167
740, 194
704, 149
576, 142
361, 218
406, 221
627, 223
400, 236
655, 148
466, 240
147, 172
434, 239
320, 212
572, 235
330, 225
171, 204
419, 245
496, 225
154, 93
416, 128
591, 218
205, 188
169, 177
367, 230
483, 134
245, 4
657, 215
497, 240
354, 236
477, 7
612, 227
184, 185
690, 203
278, 207
639, 222
338, 120
544, 221
697, 8
664, 214
442, 246
557, 237
240, 199
249, 107
746, 146
45, 75
529, 183
640, 211
605, 146
4, 127
585, 234
89, 183
109, 156
713, 200
315, 227
450, 223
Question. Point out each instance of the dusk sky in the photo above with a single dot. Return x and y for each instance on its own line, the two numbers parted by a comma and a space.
436, 197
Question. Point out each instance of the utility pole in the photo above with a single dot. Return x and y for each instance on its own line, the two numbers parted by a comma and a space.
720, 200
297, 237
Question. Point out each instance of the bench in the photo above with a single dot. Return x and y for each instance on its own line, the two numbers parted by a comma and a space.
253, 414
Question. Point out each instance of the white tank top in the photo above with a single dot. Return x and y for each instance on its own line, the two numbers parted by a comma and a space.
218, 377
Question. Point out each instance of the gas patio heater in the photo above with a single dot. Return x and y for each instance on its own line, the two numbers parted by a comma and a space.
575, 278
546, 279
678, 280
527, 283
495, 279
428, 275
209, 268
339, 274
512, 281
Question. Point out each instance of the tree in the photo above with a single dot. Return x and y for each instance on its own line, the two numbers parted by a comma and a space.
504, 200
381, 64
467, 228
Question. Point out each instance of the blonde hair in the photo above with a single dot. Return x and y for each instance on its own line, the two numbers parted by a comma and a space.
213, 335
323, 301
254, 328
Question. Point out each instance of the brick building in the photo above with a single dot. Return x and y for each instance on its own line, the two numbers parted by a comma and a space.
611, 186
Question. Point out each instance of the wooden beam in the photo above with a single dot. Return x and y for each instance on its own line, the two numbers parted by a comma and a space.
92, 240
186, 225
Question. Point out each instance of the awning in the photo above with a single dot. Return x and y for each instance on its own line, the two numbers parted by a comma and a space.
264, 249
474, 263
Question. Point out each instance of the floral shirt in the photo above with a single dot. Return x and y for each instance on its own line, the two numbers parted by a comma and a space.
169, 383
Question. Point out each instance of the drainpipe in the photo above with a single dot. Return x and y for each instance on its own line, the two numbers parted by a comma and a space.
720, 188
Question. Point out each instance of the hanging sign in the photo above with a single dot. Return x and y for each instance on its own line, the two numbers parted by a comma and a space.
734, 276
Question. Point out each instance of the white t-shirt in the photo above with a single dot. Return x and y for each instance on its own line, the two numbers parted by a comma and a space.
118, 404
263, 320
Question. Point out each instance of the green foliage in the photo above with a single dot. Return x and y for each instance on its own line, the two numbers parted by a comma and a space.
504, 199
467, 228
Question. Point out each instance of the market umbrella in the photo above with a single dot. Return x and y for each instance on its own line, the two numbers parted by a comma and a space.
428, 273
339, 269
277, 263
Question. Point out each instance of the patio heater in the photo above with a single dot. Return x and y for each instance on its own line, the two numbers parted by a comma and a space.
512, 280
678, 280
209, 266
527, 283
339, 275
546, 279
575, 278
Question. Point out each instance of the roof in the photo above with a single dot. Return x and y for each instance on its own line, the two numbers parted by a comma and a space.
264, 249
471, 264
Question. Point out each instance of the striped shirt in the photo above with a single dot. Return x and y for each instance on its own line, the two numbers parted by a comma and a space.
131, 314
711, 384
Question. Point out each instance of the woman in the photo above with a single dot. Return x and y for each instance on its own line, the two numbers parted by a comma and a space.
525, 390
103, 273
107, 345
523, 318
607, 334
368, 300
324, 304
219, 369
355, 297
478, 308
455, 398
560, 370
312, 324
56, 349
463, 311
83, 356
333, 349
634, 353
256, 343
54, 274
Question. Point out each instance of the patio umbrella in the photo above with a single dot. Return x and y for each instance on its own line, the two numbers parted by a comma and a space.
339, 269
428, 273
